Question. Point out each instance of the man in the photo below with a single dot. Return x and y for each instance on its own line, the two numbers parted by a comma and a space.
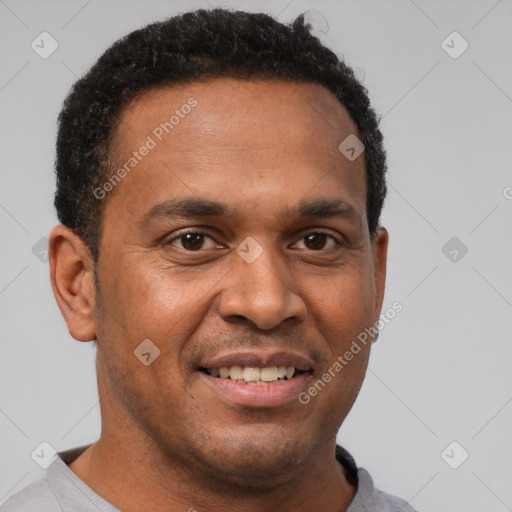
220, 178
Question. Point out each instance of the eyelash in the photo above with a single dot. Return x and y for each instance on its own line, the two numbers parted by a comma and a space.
199, 232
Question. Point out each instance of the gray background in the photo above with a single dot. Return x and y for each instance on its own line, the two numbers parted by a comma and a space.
440, 371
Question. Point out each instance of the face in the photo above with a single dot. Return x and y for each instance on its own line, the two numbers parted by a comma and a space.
238, 240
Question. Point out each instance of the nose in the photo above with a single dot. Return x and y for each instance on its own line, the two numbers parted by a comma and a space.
261, 293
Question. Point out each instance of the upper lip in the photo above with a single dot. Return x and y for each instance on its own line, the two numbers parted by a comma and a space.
259, 360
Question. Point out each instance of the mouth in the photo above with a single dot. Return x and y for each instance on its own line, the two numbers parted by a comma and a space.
256, 379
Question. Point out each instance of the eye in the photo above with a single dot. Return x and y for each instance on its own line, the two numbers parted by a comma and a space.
317, 241
192, 241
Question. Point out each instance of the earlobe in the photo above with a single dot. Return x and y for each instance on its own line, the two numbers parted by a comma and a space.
380, 251
72, 278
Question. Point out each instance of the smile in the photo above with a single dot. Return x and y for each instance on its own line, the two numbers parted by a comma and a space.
256, 379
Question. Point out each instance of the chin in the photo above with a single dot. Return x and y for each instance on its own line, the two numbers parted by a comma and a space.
254, 458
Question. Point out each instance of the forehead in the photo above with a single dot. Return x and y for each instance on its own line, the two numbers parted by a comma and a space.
242, 111
257, 140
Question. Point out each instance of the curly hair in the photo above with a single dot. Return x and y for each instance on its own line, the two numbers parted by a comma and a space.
195, 45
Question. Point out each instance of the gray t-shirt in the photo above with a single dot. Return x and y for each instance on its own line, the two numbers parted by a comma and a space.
62, 491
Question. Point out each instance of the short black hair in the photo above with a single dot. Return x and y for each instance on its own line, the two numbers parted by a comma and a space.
203, 44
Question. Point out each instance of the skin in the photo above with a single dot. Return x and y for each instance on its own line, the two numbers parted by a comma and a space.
168, 442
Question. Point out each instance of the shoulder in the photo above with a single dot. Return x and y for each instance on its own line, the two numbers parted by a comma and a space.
368, 498
37, 497
387, 502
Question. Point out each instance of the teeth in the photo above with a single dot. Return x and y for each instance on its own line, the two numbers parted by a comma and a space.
224, 372
236, 372
251, 374
254, 375
269, 374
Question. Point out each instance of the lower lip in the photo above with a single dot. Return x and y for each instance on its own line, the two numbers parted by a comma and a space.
256, 395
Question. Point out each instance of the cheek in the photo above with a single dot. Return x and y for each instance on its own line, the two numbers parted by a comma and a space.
149, 301
135, 306
345, 309
344, 313
155, 302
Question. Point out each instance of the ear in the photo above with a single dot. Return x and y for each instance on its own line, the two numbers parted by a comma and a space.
72, 278
380, 252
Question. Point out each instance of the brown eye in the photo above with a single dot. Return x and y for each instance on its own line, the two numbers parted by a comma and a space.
192, 241
317, 241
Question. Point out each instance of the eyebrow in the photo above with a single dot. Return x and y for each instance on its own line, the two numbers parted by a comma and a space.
192, 207
327, 209
189, 207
